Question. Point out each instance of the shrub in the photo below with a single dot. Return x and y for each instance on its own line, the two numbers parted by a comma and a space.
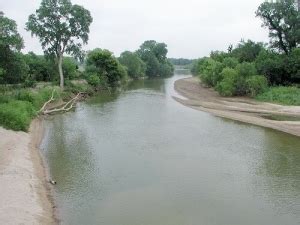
272, 66
256, 85
30, 83
227, 87
16, 115
211, 72
93, 80
246, 69
106, 66
38, 98
230, 62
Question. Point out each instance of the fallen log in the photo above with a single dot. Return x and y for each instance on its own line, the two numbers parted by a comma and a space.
65, 108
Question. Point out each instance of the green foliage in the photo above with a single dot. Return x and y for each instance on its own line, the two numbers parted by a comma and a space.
281, 95
16, 115
102, 62
10, 37
293, 65
227, 86
13, 66
61, 28
30, 83
272, 66
94, 80
210, 72
154, 55
247, 51
70, 68
283, 21
36, 98
18, 107
230, 62
40, 68
218, 55
198, 65
246, 69
256, 84
136, 68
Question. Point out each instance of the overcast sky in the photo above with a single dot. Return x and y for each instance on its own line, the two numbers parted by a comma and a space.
190, 28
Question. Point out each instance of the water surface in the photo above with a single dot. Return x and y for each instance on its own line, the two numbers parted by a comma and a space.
141, 158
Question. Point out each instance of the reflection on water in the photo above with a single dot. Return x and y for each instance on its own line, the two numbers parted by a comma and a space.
139, 157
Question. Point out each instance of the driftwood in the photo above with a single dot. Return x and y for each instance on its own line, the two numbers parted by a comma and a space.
64, 108
48, 102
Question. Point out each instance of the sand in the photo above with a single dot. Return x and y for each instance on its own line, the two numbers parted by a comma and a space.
241, 109
24, 191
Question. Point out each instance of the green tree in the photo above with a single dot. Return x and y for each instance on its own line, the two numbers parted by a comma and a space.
9, 36
272, 66
12, 65
40, 69
102, 63
210, 72
61, 28
247, 51
69, 68
154, 54
283, 20
135, 66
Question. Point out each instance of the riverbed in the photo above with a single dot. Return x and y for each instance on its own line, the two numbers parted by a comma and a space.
141, 158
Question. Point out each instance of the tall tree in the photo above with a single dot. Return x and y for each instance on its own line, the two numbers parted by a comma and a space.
283, 20
61, 28
12, 66
9, 36
154, 54
134, 64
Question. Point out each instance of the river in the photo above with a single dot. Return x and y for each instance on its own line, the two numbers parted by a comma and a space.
141, 158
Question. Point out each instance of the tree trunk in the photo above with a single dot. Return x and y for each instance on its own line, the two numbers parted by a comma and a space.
60, 70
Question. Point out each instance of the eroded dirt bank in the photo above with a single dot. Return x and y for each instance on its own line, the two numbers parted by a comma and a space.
238, 108
24, 192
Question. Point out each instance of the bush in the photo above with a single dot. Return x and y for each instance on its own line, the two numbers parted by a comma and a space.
30, 83
38, 98
106, 66
135, 66
227, 87
93, 80
246, 69
230, 62
256, 85
272, 66
16, 115
211, 72
281, 95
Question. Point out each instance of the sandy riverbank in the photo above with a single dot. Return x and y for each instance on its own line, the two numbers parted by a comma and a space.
237, 108
24, 191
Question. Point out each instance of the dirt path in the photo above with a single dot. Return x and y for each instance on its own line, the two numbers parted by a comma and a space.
24, 194
237, 108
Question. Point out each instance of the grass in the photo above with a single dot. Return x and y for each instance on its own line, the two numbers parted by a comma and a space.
281, 95
19, 107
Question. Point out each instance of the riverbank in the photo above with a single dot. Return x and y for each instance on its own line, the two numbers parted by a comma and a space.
24, 192
238, 108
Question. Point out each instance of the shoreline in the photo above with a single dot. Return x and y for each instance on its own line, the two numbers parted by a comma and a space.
26, 196
240, 109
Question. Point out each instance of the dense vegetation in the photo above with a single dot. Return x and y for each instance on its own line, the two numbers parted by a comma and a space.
255, 69
27, 80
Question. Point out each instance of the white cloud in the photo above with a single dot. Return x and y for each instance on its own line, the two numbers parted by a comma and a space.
191, 28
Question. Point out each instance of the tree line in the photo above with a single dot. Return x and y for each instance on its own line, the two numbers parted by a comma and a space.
62, 29
250, 68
